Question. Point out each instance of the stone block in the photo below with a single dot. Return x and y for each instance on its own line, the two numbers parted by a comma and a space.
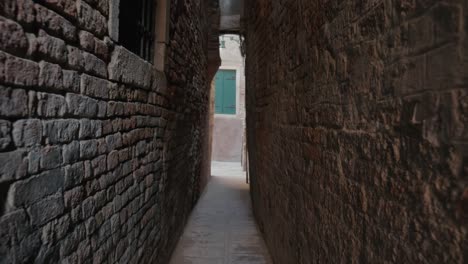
113, 22
113, 160
101, 49
84, 61
102, 109
46, 209
94, 65
19, 10
128, 68
18, 71
74, 175
91, 226
28, 191
99, 165
61, 130
64, 7
88, 207
72, 240
50, 75
5, 134
51, 105
114, 141
73, 197
13, 165
27, 132
12, 37
94, 87
71, 152
90, 129
71, 81
88, 149
51, 157
101, 5
81, 106
56, 230
87, 41
55, 23
91, 19
46, 46
13, 102
34, 159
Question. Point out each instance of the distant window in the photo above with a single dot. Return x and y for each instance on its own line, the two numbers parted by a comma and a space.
225, 92
136, 27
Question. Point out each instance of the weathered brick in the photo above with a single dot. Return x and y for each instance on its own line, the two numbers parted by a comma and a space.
20, 10
94, 87
90, 128
65, 7
51, 157
88, 149
17, 71
5, 134
51, 105
128, 68
28, 191
34, 159
99, 165
88, 207
87, 41
50, 75
72, 240
13, 102
73, 197
74, 175
50, 48
46, 209
71, 152
85, 61
91, 19
12, 37
101, 5
71, 81
13, 165
61, 131
114, 141
55, 23
27, 132
82, 106
56, 229
58, 72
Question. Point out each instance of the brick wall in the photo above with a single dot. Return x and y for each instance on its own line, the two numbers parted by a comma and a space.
101, 156
357, 115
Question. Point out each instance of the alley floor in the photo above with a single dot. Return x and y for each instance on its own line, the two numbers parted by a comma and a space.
221, 229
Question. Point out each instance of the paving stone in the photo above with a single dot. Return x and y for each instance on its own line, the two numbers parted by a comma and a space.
212, 232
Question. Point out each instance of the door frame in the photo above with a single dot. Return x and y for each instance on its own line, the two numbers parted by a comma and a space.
238, 79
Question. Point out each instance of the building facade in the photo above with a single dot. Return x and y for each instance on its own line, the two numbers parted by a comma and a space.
103, 127
229, 102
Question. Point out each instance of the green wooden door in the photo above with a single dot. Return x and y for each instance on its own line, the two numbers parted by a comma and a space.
225, 93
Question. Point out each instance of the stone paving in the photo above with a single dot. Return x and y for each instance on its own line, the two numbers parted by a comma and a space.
221, 229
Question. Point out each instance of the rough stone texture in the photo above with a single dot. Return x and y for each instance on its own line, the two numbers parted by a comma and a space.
101, 157
357, 129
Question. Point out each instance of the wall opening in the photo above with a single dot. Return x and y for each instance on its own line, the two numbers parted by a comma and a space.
228, 100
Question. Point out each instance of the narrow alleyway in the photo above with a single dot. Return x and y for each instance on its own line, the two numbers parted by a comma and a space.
221, 229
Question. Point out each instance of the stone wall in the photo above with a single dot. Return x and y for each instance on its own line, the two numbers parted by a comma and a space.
101, 156
357, 116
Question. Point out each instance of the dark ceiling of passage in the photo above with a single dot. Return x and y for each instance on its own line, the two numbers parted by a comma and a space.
231, 13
